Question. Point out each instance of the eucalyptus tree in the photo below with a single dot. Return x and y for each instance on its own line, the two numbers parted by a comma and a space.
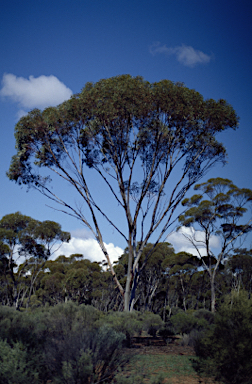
152, 273
240, 268
22, 236
180, 269
146, 143
217, 211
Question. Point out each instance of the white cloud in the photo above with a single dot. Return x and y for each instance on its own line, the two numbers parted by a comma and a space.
182, 244
89, 248
39, 92
185, 54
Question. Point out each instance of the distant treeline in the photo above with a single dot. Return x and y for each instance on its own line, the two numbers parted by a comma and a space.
169, 280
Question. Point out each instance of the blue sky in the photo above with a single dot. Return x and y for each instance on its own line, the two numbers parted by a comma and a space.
50, 49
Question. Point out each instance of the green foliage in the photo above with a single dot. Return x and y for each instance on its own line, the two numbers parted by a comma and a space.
183, 322
112, 127
126, 322
77, 371
166, 332
132, 323
16, 364
240, 268
151, 323
220, 215
61, 344
225, 351
206, 316
21, 235
191, 325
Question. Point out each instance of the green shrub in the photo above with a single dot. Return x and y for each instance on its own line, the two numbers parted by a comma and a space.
166, 332
16, 365
65, 344
127, 323
78, 371
225, 351
208, 316
183, 322
191, 323
151, 323
133, 323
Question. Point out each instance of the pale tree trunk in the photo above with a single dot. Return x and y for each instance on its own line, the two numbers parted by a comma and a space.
15, 292
213, 299
183, 290
127, 292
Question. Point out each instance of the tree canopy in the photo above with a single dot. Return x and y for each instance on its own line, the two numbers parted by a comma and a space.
135, 136
21, 235
217, 210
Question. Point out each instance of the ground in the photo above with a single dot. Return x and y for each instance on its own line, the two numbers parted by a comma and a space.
151, 357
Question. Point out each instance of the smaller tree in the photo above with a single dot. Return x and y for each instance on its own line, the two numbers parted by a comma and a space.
21, 235
240, 268
220, 215
181, 268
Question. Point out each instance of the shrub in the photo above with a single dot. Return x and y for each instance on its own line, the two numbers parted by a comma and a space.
225, 351
62, 344
166, 332
204, 318
16, 365
183, 322
93, 357
127, 323
151, 323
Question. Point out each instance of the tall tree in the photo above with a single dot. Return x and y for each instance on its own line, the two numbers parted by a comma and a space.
148, 144
219, 214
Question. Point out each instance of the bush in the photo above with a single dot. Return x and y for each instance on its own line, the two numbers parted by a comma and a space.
16, 365
62, 344
183, 322
133, 323
151, 323
225, 351
79, 347
204, 314
166, 332
124, 322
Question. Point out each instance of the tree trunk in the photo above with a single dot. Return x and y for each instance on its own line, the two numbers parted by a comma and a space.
212, 280
127, 292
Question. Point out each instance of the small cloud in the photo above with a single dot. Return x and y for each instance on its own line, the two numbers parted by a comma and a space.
158, 48
39, 92
181, 243
89, 248
185, 54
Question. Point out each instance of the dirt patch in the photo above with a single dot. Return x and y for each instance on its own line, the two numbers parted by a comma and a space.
188, 380
164, 350
157, 346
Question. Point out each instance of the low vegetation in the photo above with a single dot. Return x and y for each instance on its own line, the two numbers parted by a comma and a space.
75, 344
